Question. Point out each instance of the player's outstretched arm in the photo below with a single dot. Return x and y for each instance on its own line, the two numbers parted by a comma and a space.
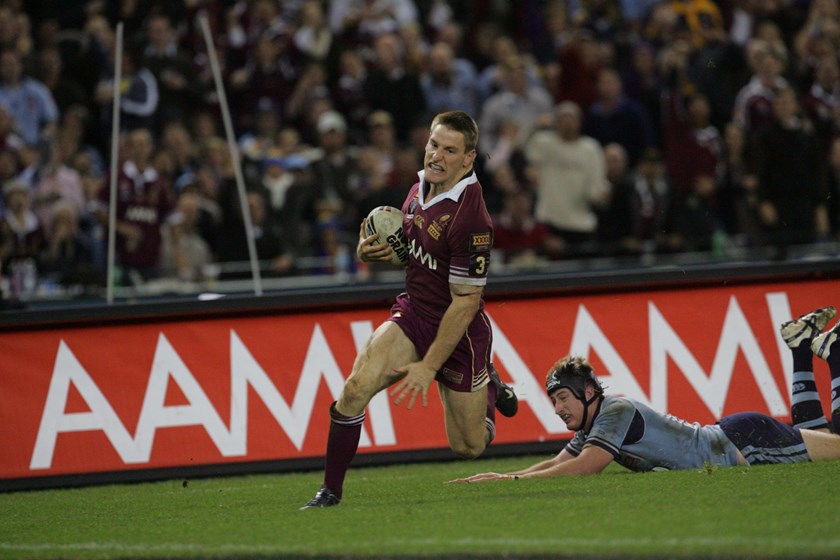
592, 460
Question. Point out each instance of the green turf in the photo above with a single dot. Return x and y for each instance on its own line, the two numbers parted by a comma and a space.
760, 512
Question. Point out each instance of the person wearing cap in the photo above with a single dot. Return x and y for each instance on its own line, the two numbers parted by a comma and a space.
612, 428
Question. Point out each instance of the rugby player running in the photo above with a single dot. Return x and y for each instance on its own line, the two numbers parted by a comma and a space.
437, 330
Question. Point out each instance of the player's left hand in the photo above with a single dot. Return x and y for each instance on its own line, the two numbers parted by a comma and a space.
418, 377
480, 477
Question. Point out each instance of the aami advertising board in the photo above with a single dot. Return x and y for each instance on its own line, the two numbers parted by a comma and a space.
251, 389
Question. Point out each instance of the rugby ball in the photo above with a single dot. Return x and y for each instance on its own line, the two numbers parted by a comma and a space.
387, 221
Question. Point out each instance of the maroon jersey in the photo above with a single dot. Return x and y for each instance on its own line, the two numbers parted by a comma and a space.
449, 240
144, 200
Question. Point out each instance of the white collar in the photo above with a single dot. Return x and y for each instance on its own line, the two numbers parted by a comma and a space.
149, 174
452, 194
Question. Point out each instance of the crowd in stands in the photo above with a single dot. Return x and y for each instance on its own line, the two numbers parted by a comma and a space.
607, 128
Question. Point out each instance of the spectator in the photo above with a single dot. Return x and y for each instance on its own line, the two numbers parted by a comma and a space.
372, 189
177, 79
144, 201
580, 62
178, 142
27, 100
491, 80
362, 21
416, 47
791, 176
738, 190
621, 182
335, 169
754, 104
643, 84
349, 94
448, 85
822, 100
517, 101
571, 180
260, 140
68, 255
614, 117
310, 87
185, 254
313, 37
521, 240
233, 246
383, 136
139, 96
391, 88
65, 90
76, 129
267, 74
21, 239
697, 220
692, 143
644, 213
290, 199
57, 182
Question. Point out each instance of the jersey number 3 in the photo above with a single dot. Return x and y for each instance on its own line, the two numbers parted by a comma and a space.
478, 265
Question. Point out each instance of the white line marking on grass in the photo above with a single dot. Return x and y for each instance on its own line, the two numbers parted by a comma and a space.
524, 544
600, 542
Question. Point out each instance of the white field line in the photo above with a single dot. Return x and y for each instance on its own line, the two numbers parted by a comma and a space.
757, 545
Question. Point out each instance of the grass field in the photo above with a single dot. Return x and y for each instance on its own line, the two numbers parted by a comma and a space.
782, 511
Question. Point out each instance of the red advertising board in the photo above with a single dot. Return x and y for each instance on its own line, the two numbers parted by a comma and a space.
214, 391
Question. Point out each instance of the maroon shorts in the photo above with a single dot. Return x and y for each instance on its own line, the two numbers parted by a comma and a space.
466, 368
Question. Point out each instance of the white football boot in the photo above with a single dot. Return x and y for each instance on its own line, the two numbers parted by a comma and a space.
807, 326
821, 345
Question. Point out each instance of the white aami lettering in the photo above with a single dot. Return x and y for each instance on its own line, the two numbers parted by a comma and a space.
166, 365
529, 388
55, 420
199, 412
588, 334
736, 335
712, 389
294, 420
664, 343
416, 251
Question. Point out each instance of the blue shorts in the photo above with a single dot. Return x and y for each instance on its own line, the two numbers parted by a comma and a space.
763, 440
466, 370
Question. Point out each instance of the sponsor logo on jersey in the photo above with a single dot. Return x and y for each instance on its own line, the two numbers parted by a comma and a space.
438, 225
424, 258
141, 214
418, 221
481, 241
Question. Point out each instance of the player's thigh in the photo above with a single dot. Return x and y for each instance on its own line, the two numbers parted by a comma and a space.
465, 420
821, 446
386, 349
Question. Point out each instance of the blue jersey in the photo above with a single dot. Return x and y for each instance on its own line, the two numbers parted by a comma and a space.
642, 439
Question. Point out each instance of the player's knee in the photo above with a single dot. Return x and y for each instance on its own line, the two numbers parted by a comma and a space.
467, 450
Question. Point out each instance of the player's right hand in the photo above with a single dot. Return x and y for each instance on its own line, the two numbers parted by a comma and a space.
370, 248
